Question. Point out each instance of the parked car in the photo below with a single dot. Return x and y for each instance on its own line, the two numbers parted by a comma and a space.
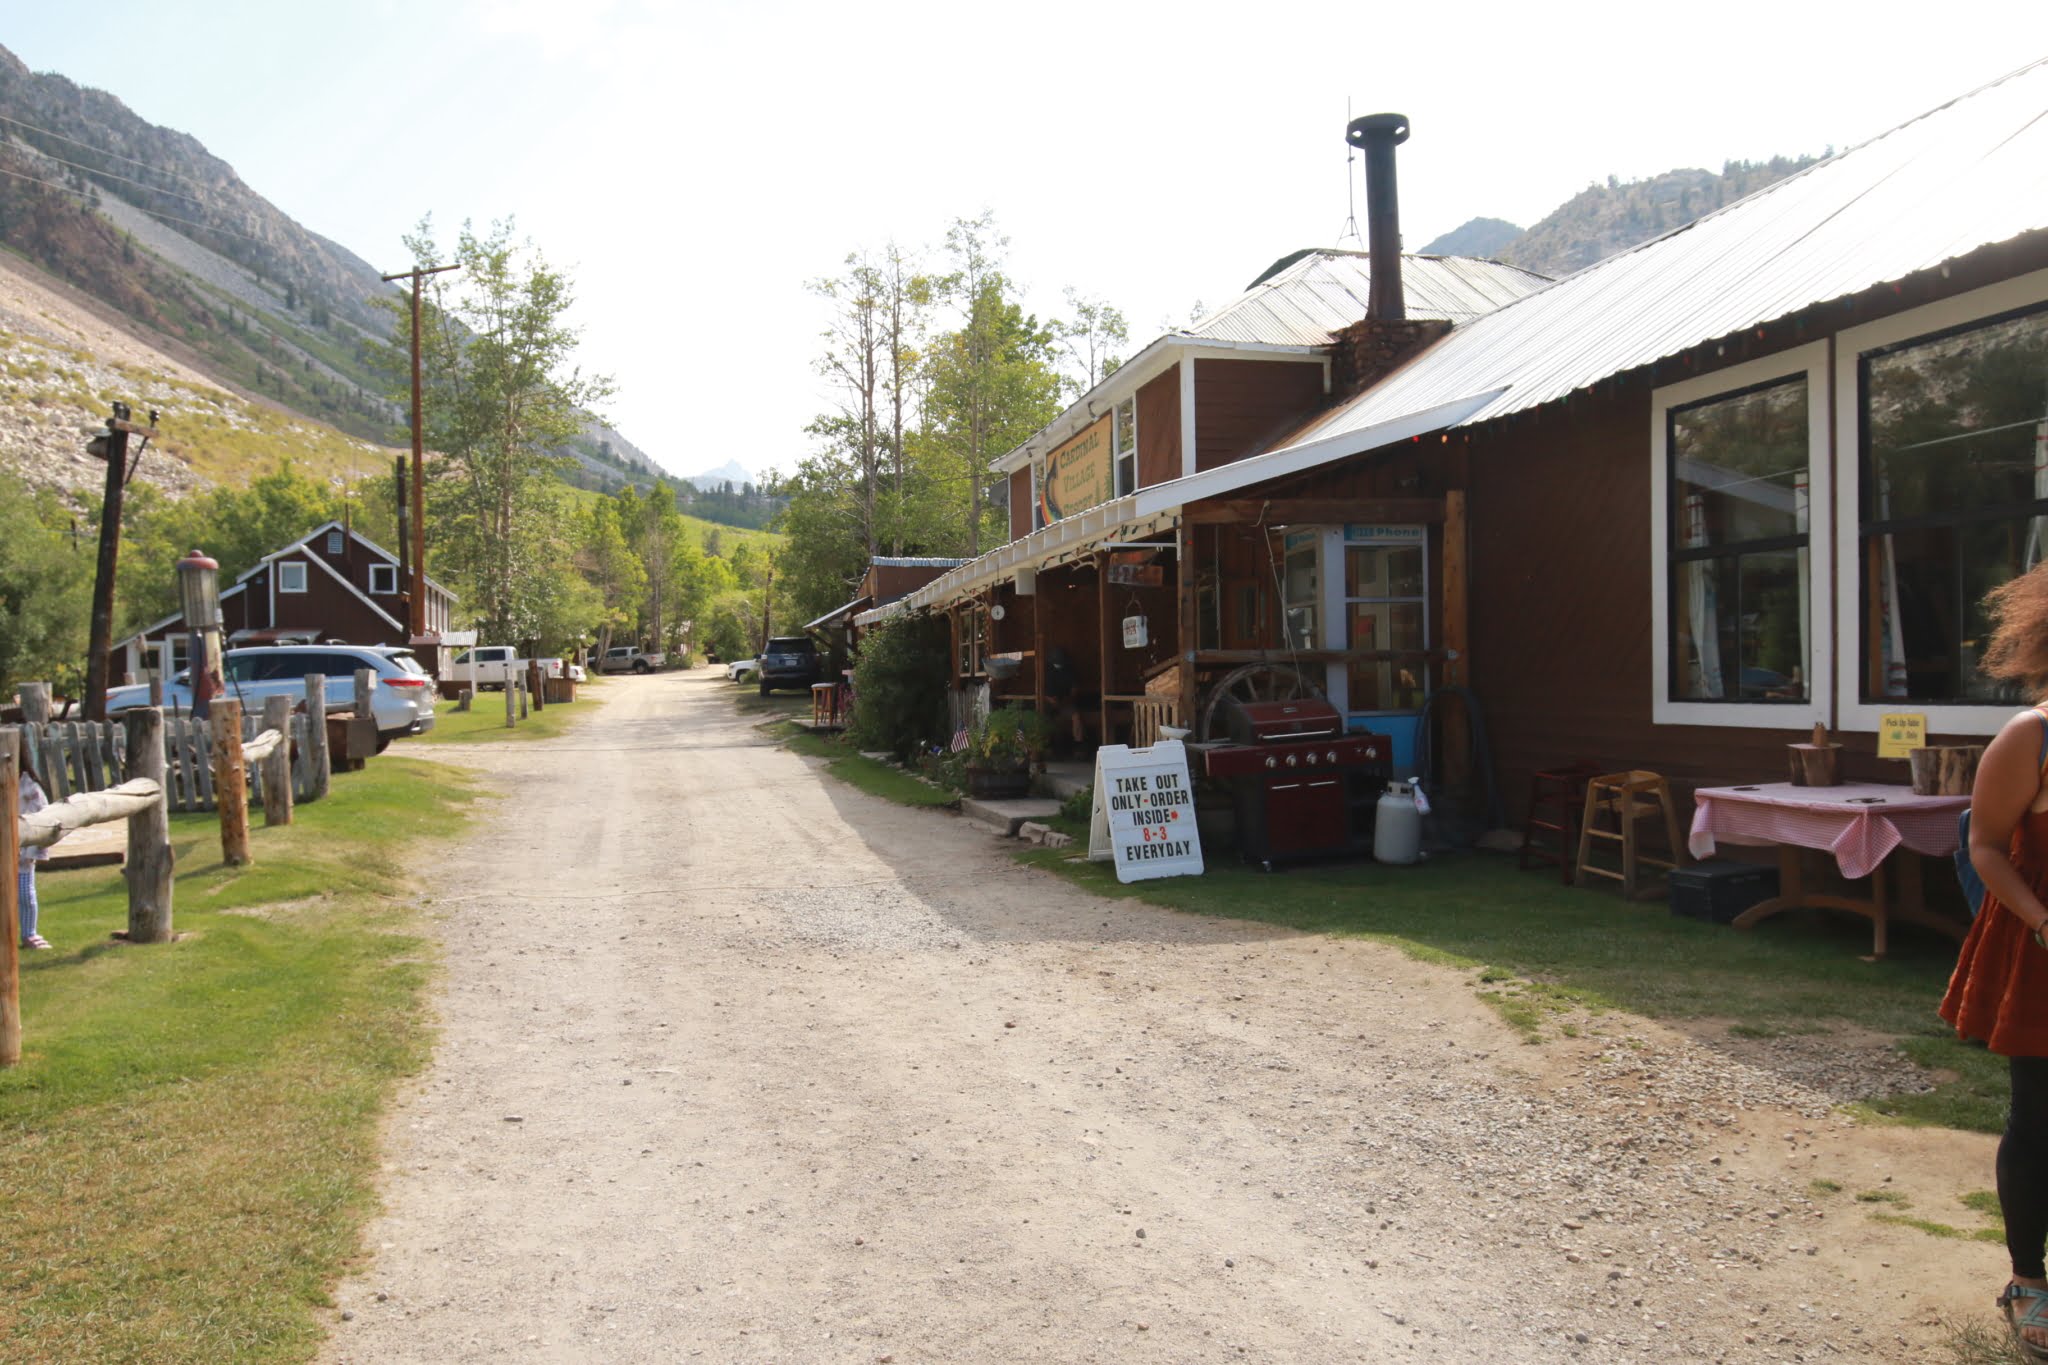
494, 665
738, 669
402, 702
560, 668
629, 659
790, 661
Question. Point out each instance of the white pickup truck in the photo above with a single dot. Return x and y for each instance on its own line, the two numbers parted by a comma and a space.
494, 665
629, 659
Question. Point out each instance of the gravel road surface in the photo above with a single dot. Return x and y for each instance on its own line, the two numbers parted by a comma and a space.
739, 1064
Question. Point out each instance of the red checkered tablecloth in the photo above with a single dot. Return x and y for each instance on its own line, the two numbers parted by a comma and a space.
1859, 822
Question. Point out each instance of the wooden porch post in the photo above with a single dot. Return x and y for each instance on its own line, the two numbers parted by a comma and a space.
1457, 566
1103, 669
1038, 652
1190, 640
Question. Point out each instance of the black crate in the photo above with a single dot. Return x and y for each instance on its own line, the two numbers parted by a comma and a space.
1720, 890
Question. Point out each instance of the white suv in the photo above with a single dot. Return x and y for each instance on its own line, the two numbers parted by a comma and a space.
403, 700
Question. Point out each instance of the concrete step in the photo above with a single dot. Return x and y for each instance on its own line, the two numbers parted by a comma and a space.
1004, 817
1061, 780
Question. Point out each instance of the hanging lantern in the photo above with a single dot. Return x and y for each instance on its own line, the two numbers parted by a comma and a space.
199, 591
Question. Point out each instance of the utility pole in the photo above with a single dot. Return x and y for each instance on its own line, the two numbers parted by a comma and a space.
416, 580
110, 445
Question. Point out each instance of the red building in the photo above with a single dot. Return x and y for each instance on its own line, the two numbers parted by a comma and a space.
332, 584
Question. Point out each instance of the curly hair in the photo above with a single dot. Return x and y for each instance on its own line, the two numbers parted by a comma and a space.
2018, 611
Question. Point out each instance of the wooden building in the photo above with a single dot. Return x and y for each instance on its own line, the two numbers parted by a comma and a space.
1665, 513
333, 583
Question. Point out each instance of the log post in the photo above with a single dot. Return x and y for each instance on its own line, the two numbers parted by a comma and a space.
536, 686
522, 696
511, 704
277, 768
148, 870
366, 697
10, 892
319, 761
35, 703
230, 783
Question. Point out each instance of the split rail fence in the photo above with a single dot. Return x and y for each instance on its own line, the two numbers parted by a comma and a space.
87, 756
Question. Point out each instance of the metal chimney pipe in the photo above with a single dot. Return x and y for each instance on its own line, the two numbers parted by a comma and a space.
1378, 135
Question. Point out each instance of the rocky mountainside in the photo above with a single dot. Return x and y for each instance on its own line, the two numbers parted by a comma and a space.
173, 248
1603, 219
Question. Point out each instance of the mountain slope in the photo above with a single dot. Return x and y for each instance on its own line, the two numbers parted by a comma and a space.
1603, 219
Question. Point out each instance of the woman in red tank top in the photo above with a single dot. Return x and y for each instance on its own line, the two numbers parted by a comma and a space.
1999, 993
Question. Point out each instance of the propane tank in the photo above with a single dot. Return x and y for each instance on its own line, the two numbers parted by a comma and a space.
1397, 826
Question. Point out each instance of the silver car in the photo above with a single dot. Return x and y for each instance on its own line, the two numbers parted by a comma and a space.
402, 702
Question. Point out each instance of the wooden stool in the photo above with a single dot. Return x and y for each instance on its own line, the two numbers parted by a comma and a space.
1556, 796
1628, 798
824, 703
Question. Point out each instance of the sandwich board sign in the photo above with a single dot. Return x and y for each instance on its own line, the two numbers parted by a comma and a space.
1144, 812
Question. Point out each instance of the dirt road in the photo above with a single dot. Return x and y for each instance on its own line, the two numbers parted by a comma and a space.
740, 1064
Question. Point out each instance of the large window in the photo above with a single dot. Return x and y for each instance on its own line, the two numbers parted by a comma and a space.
1953, 500
1385, 608
1300, 588
291, 575
1125, 443
384, 580
1737, 502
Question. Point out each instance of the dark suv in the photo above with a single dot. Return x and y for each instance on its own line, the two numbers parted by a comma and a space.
790, 661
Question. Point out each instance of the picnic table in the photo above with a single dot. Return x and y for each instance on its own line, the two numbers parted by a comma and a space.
1861, 823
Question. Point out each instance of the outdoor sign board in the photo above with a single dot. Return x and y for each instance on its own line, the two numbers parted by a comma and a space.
1077, 474
1144, 812
1901, 734
1137, 575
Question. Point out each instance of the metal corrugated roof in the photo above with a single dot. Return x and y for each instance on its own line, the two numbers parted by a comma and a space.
1966, 175
887, 562
1309, 300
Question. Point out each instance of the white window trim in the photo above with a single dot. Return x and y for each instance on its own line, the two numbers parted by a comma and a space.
285, 564
1117, 452
390, 573
1975, 718
1811, 361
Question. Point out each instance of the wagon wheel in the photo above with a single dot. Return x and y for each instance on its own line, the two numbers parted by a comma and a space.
1251, 683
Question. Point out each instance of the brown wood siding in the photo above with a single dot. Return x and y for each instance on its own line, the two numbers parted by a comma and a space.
1241, 405
326, 606
1159, 429
1020, 503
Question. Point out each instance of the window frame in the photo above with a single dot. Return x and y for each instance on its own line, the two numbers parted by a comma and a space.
390, 575
1852, 345
1118, 453
284, 567
335, 542
1808, 362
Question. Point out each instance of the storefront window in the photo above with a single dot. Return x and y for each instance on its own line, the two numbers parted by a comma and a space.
1385, 584
1954, 500
1301, 591
1740, 560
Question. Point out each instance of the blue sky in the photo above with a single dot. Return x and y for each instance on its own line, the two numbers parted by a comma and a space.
693, 165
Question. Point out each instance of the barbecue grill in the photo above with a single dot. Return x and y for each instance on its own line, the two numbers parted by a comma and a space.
1302, 787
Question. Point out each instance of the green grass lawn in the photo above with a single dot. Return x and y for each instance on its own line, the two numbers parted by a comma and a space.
875, 778
485, 720
188, 1147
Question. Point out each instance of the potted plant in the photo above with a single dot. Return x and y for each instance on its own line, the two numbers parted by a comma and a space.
1001, 751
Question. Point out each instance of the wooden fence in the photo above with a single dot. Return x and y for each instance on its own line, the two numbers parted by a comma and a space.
88, 756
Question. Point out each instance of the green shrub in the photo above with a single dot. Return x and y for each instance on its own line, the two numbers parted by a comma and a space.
899, 681
1009, 739
1080, 806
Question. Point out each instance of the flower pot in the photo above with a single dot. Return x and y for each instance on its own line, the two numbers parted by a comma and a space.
997, 784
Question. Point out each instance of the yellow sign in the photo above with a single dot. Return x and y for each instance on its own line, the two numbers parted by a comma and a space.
1077, 475
1899, 735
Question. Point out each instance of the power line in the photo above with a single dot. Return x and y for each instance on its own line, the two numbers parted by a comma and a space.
94, 170
160, 170
166, 217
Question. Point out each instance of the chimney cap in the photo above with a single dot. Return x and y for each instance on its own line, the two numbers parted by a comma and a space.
1361, 129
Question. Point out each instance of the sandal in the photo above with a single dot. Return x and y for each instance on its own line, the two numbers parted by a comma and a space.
35, 941
2034, 1314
